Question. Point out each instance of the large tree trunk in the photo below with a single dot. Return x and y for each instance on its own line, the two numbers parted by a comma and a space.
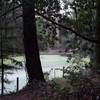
97, 35
33, 63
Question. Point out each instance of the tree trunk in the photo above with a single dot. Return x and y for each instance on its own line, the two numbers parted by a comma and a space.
33, 63
97, 36
57, 43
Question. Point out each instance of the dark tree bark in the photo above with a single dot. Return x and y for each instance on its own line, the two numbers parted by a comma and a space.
33, 63
97, 36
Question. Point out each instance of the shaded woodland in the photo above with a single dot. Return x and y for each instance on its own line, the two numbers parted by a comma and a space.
69, 28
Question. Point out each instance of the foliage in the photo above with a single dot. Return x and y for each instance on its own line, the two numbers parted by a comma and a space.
77, 67
49, 7
83, 20
41, 34
48, 91
80, 15
46, 76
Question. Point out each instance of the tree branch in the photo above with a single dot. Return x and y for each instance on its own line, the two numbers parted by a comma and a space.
53, 22
70, 29
4, 14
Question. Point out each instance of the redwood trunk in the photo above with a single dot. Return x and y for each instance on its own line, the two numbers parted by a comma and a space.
33, 63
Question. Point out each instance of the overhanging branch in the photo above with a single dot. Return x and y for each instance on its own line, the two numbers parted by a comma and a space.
67, 28
53, 22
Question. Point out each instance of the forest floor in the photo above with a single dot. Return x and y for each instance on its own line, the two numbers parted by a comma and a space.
45, 91
21, 95
36, 92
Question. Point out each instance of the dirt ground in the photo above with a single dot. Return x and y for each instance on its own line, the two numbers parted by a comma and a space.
21, 95
33, 93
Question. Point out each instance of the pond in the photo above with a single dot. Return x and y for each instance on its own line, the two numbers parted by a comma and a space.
49, 64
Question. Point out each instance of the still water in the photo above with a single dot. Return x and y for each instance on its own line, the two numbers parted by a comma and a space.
49, 64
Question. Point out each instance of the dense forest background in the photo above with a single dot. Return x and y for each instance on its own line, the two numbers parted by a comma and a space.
31, 27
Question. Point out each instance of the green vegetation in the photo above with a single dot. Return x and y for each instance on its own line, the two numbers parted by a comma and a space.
70, 28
